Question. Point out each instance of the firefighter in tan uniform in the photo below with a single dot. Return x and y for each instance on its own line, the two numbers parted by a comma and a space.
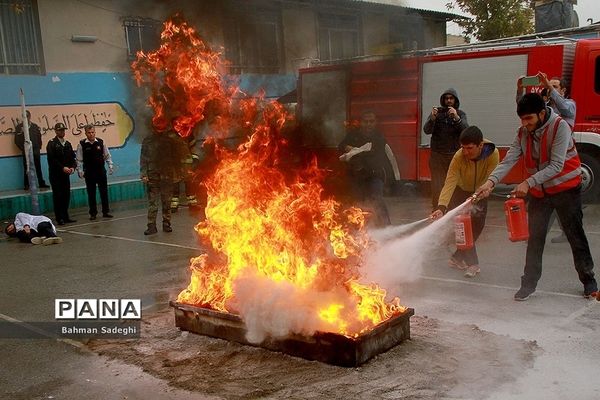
186, 157
160, 168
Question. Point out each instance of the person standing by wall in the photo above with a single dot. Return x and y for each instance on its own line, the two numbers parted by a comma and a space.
92, 154
35, 135
445, 124
469, 169
61, 164
160, 168
364, 151
546, 145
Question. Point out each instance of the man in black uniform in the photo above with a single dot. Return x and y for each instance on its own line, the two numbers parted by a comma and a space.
364, 151
61, 164
35, 135
91, 155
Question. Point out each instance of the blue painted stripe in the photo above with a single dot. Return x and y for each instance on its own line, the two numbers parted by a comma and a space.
99, 87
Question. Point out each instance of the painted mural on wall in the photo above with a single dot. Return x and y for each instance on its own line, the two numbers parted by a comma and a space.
113, 123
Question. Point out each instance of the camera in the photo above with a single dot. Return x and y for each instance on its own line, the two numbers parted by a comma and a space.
442, 110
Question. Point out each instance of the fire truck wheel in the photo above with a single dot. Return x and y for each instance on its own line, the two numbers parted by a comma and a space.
590, 168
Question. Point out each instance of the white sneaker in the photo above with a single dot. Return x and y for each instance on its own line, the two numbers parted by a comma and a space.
37, 240
454, 263
52, 240
472, 271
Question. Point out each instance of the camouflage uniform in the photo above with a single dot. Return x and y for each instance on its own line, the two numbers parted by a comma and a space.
160, 164
187, 176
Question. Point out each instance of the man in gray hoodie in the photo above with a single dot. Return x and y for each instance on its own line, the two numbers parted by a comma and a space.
545, 144
556, 90
444, 124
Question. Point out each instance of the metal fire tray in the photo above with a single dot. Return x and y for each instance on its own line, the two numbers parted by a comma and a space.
327, 347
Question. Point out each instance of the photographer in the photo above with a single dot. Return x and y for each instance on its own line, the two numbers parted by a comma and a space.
444, 125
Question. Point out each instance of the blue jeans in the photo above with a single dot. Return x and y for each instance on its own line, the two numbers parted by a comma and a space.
568, 208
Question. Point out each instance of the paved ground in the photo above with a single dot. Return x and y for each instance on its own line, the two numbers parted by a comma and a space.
555, 331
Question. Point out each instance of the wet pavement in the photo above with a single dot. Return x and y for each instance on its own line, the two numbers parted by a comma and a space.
113, 259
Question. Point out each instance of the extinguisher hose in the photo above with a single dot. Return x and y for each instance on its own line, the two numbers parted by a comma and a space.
502, 195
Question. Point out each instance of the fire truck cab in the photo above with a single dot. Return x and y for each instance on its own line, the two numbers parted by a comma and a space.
403, 89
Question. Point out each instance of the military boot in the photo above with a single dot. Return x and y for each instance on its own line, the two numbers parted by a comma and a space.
151, 229
192, 202
174, 204
167, 227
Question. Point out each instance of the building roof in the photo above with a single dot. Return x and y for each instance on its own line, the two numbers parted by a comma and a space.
399, 4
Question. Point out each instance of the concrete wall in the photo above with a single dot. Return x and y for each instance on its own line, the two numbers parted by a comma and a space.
60, 19
91, 73
376, 31
435, 33
64, 89
453, 40
300, 37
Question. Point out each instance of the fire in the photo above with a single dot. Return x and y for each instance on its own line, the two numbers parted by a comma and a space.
185, 77
266, 223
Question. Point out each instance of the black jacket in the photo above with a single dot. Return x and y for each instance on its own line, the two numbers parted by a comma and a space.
93, 155
444, 130
35, 135
369, 163
59, 156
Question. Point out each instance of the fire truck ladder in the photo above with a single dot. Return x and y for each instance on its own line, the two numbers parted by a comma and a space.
498, 44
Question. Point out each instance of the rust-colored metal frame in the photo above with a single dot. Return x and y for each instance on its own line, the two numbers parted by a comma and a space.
327, 347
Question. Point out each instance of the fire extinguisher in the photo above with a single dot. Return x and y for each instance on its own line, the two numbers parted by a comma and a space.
463, 231
516, 219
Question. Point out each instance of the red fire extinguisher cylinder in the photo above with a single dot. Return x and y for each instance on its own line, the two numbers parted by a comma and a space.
516, 219
463, 231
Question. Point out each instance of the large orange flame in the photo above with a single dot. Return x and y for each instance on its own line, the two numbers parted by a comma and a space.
263, 219
185, 76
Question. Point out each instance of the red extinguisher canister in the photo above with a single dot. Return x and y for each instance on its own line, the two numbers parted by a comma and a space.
463, 231
516, 219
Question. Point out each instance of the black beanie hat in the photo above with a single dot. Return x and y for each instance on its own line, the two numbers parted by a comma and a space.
531, 103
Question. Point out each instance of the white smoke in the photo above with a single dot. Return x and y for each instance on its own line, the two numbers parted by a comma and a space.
395, 231
400, 260
277, 309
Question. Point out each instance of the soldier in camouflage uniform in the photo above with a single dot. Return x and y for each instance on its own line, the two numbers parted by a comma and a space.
187, 177
160, 168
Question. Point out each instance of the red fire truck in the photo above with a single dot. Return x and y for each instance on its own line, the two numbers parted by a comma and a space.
402, 90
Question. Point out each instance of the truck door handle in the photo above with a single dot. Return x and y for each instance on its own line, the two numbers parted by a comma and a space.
592, 117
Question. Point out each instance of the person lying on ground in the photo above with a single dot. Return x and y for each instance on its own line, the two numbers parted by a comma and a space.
35, 229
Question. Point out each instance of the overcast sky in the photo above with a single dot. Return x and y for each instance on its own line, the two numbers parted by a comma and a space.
585, 9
